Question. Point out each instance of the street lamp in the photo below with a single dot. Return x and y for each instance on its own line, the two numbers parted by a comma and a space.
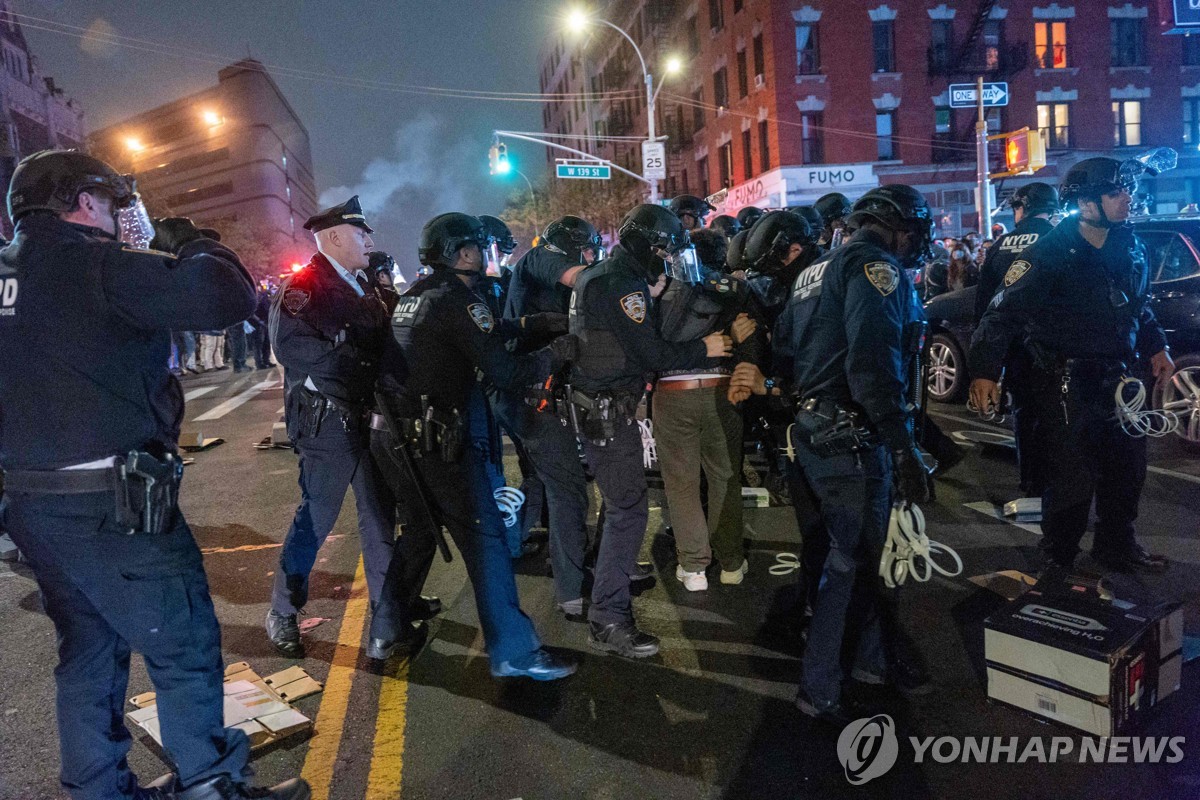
134, 144
212, 119
577, 21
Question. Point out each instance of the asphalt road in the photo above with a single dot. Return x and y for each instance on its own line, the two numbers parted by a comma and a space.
710, 717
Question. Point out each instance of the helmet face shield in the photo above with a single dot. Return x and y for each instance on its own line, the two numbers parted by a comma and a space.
134, 227
684, 265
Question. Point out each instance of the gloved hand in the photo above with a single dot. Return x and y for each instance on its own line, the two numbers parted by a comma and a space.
172, 233
564, 349
911, 476
545, 322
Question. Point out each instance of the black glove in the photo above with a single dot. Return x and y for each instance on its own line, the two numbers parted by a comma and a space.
172, 233
546, 322
911, 475
564, 349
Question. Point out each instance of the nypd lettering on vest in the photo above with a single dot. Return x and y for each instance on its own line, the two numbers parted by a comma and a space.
482, 317
634, 306
808, 283
883, 276
8, 297
406, 310
1018, 242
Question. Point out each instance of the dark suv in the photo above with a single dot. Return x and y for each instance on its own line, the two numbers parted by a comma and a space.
1174, 245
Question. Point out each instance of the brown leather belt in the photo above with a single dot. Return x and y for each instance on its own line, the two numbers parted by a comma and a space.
668, 385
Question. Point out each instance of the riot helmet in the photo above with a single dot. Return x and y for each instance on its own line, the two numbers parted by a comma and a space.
653, 235
725, 225
733, 253
813, 217
696, 207
53, 179
748, 216
1035, 198
902, 209
832, 207
771, 238
572, 236
500, 244
446, 234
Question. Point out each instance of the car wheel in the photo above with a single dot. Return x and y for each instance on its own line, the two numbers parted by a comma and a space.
947, 369
1182, 396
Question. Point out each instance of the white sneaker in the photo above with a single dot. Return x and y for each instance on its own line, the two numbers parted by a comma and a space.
692, 581
733, 577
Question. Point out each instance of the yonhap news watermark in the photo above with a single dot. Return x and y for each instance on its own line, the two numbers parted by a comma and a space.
868, 748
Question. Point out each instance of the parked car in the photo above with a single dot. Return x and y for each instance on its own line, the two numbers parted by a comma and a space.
1174, 246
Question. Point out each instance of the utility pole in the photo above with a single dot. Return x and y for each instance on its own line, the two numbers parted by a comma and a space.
983, 202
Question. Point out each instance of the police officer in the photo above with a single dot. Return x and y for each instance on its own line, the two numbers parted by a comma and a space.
691, 210
1080, 297
733, 255
749, 215
329, 324
91, 415
856, 326
1032, 205
619, 347
541, 285
725, 225
497, 276
833, 208
446, 335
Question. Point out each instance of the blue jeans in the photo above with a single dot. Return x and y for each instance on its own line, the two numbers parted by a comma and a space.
485, 438
853, 496
109, 594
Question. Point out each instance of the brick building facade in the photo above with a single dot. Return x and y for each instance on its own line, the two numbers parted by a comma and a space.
781, 102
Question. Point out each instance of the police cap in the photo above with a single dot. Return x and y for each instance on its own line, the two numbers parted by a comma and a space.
51, 180
348, 213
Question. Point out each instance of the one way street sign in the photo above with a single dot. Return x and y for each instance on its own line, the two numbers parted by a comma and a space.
962, 95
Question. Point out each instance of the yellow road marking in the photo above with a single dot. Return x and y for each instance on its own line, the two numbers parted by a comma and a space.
387, 760
331, 718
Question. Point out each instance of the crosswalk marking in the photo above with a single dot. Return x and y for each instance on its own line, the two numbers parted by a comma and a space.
203, 390
234, 402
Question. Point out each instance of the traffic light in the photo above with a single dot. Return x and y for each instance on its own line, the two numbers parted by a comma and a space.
1024, 152
498, 159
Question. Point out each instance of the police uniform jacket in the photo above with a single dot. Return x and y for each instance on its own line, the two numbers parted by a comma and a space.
770, 295
1003, 252
85, 327
851, 320
1070, 300
534, 289
323, 330
687, 312
446, 334
619, 345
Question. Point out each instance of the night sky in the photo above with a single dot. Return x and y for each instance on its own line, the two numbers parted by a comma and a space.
409, 156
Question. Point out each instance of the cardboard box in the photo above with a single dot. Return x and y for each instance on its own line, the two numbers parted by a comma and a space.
1073, 658
260, 707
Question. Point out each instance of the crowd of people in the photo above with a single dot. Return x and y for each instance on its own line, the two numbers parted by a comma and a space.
799, 331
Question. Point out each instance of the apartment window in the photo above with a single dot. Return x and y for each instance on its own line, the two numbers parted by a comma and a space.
812, 140
14, 61
1050, 45
764, 146
1191, 121
943, 120
760, 59
693, 36
1127, 122
702, 169
698, 109
1128, 42
738, 5
883, 37
725, 156
1054, 123
721, 87
808, 56
747, 155
716, 14
993, 44
743, 78
1191, 51
945, 145
941, 45
885, 131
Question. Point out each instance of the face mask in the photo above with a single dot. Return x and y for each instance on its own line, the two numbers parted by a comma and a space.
960, 254
134, 227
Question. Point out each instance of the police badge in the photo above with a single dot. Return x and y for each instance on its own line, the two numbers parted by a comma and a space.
1016, 272
294, 300
883, 276
482, 317
634, 306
